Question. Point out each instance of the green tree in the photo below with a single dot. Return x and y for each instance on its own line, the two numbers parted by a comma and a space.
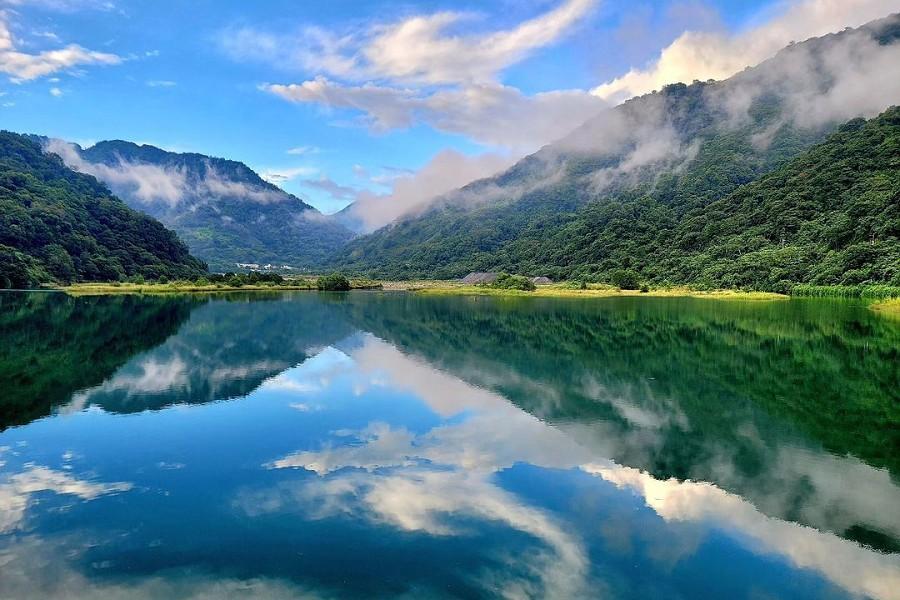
335, 282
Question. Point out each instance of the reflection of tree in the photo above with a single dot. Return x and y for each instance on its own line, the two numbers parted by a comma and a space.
723, 392
52, 345
227, 348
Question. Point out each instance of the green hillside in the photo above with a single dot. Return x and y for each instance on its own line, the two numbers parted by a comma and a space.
727, 201
56, 224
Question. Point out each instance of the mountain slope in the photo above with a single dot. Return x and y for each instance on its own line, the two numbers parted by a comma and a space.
59, 224
612, 192
830, 216
223, 210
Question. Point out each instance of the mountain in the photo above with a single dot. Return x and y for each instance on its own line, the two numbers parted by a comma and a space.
624, 189
224, 211
59, 224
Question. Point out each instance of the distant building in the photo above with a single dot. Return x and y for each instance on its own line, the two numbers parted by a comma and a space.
478, 278
541, 280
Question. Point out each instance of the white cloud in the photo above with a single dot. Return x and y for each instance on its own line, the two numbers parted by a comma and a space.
717, 55
63, 5
22, 66
446, 171
161, 83
422, 49
332, 188
419, 50
56, 92
148, 183
278, 176
301, 150
489, 113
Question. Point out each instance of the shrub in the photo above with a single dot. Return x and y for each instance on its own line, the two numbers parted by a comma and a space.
645, 289
626, 279
505, 281
333, 283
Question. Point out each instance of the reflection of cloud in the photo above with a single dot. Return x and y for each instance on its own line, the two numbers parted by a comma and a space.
37, 569
415, 481
17, 491
427, 501
443, 393
857, 569
150, 376
382, 447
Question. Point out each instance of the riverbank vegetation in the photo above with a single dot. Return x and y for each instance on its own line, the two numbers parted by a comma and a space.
245, 282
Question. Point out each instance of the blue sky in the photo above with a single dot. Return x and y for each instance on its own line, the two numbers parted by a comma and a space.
366, 92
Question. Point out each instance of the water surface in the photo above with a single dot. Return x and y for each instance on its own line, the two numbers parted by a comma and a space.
388, 445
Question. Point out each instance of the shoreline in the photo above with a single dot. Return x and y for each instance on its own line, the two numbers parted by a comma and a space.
433, 288
888, 307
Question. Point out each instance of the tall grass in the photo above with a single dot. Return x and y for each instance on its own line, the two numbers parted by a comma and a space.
876, 292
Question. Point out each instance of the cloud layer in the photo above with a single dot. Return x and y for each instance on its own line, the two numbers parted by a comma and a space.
171, 186
412, 192
702, 55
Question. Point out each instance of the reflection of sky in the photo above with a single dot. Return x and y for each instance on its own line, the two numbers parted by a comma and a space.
366, 470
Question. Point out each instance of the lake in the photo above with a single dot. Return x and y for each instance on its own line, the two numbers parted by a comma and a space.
377, 444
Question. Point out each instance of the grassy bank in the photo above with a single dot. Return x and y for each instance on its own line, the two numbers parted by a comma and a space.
866, 292
561, 290
886, 299
100, 289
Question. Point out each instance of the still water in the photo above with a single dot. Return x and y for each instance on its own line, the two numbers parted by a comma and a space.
387, 445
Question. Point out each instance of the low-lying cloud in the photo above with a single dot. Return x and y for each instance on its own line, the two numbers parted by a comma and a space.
410, 193
169, 185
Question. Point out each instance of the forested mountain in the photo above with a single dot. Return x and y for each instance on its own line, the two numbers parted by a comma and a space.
56, 224
637, 187
224, 211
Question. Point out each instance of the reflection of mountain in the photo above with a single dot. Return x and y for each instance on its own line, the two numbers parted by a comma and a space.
52, 345
745, 396
225, 350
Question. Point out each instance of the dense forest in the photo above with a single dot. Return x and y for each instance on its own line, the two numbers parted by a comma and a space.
829, 216
56, 224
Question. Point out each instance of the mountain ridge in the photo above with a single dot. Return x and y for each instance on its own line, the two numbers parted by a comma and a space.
224, 211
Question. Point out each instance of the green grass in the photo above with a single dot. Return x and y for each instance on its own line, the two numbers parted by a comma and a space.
563, 290
187, 287
878, 292
887, 307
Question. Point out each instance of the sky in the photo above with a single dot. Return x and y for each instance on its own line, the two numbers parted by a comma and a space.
345, 100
